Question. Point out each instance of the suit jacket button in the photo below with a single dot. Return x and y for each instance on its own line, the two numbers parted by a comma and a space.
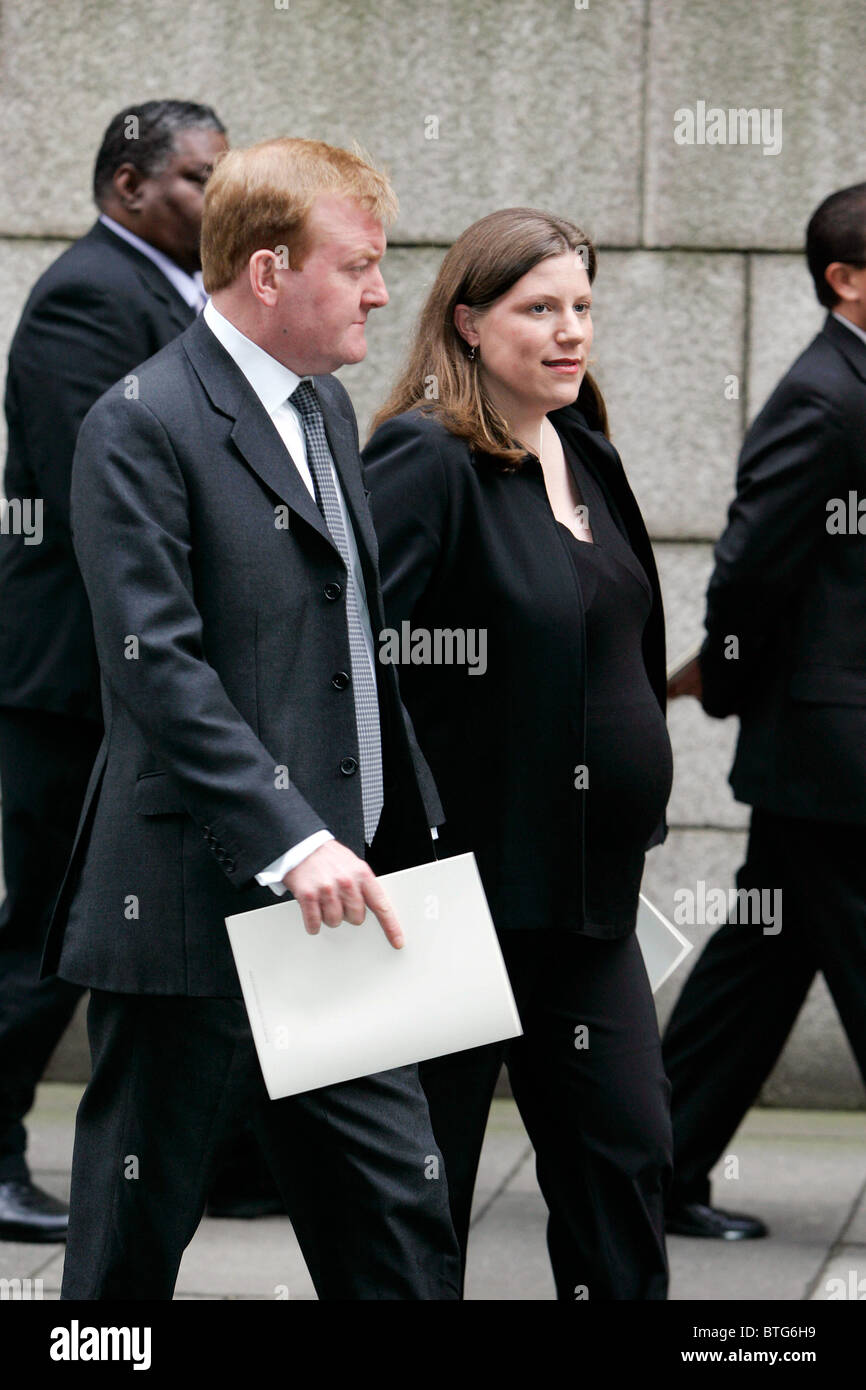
340, 680
333, 591
348, 766
229, 866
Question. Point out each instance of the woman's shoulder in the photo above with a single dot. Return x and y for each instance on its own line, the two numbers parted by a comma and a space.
423, 422
424, 433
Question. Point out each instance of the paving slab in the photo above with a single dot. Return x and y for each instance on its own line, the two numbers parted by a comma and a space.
804, 1172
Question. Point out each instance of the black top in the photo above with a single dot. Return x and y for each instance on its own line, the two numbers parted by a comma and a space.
95, 314
628, 753
464, 546
792, 593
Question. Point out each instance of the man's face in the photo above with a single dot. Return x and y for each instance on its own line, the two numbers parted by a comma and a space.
170, 204
323, 306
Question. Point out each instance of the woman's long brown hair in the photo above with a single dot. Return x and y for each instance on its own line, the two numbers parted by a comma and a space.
484, 262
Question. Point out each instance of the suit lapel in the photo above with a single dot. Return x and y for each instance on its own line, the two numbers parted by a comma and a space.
852, 348
176, 308
258, 440
259, 443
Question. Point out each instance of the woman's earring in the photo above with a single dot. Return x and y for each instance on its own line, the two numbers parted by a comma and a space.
472, 353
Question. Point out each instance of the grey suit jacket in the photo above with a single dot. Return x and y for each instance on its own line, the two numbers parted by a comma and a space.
218, 601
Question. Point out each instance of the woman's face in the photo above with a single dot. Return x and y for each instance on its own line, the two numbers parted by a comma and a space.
534, 341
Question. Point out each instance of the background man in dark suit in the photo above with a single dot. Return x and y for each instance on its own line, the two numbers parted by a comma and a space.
222, 529
786, 651
113, 299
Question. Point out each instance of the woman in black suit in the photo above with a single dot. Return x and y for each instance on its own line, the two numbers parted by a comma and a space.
503, 513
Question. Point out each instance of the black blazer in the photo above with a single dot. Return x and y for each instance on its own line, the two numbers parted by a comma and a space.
95, 314
464, 546
219, 631
794, 595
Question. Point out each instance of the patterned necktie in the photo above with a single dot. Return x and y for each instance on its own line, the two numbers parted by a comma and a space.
306, 402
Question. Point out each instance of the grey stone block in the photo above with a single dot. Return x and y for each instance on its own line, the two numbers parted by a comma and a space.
816, 1068
686, 857
380, 73
703, 747
817, 1065
784, 316
669, 333
409, 274
784, 54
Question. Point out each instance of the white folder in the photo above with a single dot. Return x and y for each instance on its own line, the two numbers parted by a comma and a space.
344, 1003
663, 947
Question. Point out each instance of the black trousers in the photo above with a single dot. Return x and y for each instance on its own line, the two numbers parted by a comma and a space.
742, 998
45, 761
588, 1080
171, 1077
45, 764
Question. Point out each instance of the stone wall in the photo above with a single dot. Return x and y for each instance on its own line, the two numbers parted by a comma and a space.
702, 297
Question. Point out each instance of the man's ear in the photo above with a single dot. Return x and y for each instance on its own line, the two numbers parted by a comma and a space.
263, 271
127, 183
464, 322
839, 277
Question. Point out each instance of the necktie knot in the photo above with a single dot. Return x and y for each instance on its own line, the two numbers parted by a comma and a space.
305, 401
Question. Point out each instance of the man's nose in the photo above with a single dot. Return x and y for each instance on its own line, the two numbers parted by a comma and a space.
376, 293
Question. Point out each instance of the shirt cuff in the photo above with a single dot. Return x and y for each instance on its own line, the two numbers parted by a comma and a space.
272, 877
434, 831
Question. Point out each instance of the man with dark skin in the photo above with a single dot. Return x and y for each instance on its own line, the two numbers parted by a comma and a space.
113, 299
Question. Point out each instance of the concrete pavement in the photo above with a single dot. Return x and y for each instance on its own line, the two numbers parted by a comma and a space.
804, 1172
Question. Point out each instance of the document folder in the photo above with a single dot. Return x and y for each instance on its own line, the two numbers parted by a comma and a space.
344, 1003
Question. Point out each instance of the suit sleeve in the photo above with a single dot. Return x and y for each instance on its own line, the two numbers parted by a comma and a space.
406, 476
794, 459
79, 340
409, 500
131, 530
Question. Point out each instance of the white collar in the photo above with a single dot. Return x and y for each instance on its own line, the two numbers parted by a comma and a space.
271, 381
189, 287
848, 324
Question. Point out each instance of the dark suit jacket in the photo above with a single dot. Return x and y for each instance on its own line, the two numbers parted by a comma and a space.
95, 314
465, 546
219, 631
794, 595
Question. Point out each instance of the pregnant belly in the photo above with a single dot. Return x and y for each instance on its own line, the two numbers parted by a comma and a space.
630, 766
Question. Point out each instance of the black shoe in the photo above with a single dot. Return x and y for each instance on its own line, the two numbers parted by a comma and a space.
695, 1219
30, 1215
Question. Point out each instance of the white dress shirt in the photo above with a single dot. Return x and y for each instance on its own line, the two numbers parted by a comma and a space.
189, 287
273, 384
848, 324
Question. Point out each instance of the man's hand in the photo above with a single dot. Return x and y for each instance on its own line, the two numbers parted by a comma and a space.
333, 885
687, 680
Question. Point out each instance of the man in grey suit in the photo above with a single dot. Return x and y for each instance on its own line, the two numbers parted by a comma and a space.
253, 745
